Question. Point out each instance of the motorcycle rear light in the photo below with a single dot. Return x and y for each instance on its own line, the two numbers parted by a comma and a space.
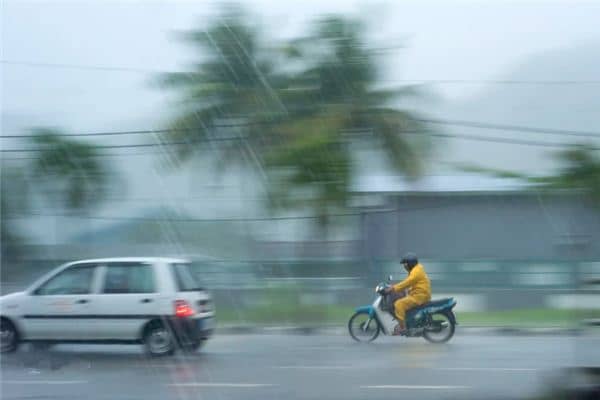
183, 309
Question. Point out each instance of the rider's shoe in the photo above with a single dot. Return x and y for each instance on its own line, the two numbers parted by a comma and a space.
399, 331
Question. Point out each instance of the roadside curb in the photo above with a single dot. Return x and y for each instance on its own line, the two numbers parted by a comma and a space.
281, 330
342, 330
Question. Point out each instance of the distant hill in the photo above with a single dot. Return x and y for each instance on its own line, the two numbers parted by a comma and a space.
553, 106
217, 239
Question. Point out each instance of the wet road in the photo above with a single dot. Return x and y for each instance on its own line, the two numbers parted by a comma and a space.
299, 367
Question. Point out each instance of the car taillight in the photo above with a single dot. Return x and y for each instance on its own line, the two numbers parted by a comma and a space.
183, 309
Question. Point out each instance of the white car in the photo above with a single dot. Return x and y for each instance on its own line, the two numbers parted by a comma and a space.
154, 301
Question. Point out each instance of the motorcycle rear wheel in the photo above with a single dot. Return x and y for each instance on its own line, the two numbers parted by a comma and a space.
363, 327
439, 329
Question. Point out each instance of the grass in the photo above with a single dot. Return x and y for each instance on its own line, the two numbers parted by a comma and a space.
287, 315
291, 314
527, 318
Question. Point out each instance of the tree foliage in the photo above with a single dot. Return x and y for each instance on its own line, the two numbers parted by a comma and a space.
297, 110
69, 168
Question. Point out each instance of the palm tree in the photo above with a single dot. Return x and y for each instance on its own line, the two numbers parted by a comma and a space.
70, 172
14, 202
66, 172
579, 170
336, 108
230, 96
297, 111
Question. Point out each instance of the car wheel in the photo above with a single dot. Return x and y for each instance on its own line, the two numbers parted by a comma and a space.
159, 340
9, 337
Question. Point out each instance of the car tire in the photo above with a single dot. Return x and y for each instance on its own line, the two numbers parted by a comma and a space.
9, 337
159, 340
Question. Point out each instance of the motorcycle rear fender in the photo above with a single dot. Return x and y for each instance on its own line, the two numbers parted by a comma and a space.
452, 316
451, 313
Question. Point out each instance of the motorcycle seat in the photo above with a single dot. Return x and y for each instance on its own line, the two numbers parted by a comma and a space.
433, 303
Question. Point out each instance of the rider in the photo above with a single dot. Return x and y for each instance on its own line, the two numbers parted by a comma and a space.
419, 290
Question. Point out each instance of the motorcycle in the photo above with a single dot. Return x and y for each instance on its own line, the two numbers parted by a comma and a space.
435, 321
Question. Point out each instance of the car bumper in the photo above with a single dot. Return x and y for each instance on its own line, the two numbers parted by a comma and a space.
190, 330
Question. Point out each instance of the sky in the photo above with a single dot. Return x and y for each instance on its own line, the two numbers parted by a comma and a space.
86, 66
444, 40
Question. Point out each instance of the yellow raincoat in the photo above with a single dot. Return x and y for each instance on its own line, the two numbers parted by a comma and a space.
419, 291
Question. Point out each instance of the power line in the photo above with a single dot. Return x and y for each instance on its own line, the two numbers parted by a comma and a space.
132, 132
499, 82
179, 219
130, 146
437, 121
115, 146
462, 123
141, 153
534, 143
233, 219
112, 133
82, 67
503, 127
562, 82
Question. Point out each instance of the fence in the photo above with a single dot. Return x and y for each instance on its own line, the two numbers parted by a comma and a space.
478, 285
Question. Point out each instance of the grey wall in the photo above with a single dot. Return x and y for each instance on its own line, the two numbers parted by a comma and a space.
522, 226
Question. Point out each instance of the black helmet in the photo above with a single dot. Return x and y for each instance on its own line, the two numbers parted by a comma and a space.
410, 260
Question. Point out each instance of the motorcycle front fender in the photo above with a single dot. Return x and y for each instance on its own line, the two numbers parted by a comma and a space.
366, 310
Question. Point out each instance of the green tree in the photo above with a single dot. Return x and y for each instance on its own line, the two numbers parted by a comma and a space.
298, 111
70, 172
336, 108
14, 202
64, 172
579, 170
230, 96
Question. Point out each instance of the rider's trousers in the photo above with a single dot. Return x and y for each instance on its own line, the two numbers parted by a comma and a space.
404, 304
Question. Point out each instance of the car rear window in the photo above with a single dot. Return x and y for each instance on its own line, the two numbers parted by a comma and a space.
185, 278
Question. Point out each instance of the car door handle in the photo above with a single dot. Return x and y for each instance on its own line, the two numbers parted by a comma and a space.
82, 301
146, 301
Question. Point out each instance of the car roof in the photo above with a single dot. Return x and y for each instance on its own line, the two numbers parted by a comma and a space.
132, 259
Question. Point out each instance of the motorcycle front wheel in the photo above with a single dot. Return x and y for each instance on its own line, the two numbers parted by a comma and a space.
363, 327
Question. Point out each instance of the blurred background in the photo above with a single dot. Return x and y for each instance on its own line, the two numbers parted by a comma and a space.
306, 148
296, 150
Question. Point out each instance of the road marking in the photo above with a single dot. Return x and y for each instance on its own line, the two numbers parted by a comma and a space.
222, 385
35, 382
424, 387
488, 369
313, 367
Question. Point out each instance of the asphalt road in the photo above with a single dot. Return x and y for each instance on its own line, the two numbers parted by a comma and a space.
299, 367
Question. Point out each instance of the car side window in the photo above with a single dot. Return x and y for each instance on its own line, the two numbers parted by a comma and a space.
73, 280
129, 278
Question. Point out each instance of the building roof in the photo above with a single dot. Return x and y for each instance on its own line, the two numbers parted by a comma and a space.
131, 259
465, 183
